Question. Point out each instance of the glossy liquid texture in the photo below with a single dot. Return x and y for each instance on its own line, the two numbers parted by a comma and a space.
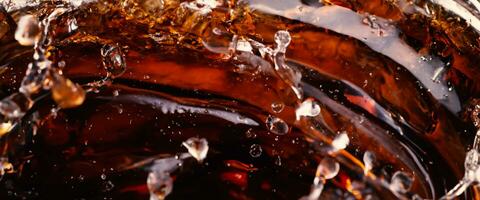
398, 81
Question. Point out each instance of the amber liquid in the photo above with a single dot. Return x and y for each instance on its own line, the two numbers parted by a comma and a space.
175, 89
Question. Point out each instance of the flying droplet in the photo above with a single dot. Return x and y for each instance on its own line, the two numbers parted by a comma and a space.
340, 142
197, 147
243, 45
282, 39
368, 160
256, 150
6, 127
66, 93
35, 77
113, 60
472, 161
308, 108
5, 166
315, 192
107, 186
160, 185
277, 125
278, 160
28, 30
115, 93
327, 169
401, 182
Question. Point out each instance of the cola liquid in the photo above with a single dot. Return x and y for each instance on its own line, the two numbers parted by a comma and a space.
272, 86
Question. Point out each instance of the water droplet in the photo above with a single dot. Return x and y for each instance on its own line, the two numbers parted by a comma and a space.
243, 45
250, 134
160, 185
35, 77
66, 93
5, 166
340, 142
28, 30
72, 24
282, 39
5, 127
315, 192
277, 107
113, 60
476, 115
202, 6
15, 106
416, 197
103, 177
197, 147
288, 74
108, 185
368, 160
256, 150
327, 169
169, 164
438, 73
277, 125
278, 160
401, 182
308, 108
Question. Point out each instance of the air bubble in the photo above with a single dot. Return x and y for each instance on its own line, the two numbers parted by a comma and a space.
197, 147
256, 150
277, 125
401, 182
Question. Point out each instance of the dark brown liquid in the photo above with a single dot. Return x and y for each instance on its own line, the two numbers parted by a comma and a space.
175, 89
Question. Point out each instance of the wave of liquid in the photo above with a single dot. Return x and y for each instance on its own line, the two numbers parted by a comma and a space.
279, 93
